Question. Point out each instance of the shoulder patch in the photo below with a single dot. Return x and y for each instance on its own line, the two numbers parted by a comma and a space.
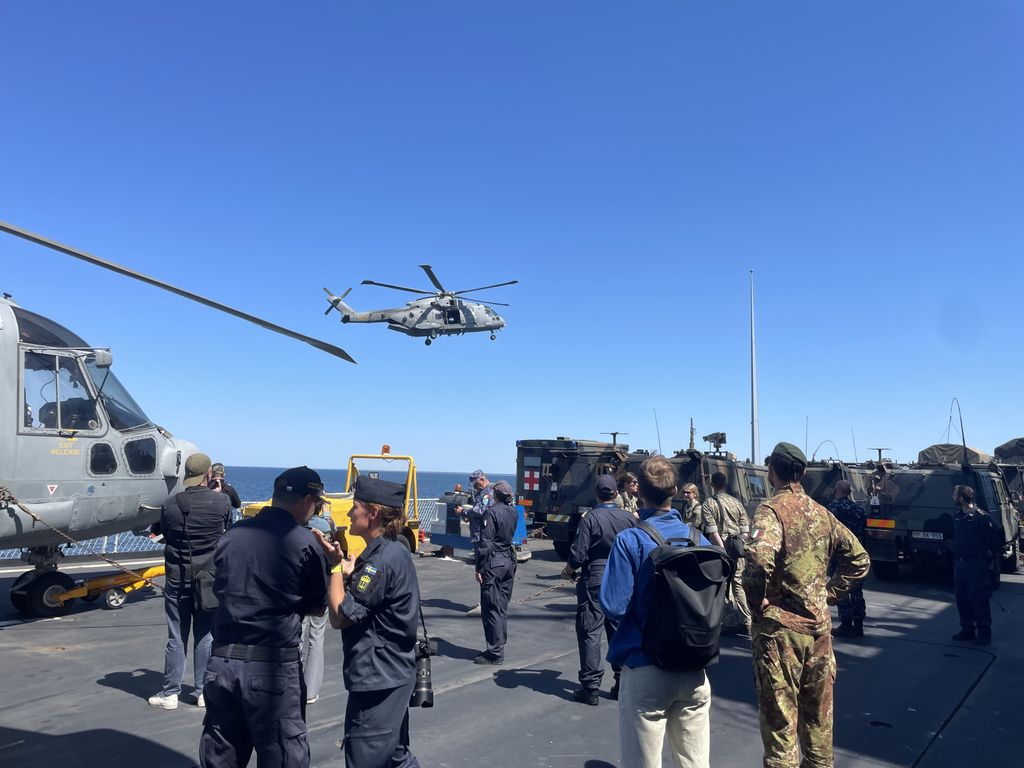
756, 534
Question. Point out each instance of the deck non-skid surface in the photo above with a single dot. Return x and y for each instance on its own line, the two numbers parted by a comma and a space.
73, 690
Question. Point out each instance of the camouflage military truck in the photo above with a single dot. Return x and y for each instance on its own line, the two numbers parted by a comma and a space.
820, 479
747, 482
910, 513
555, 481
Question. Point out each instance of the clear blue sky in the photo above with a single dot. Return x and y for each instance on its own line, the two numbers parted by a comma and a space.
627, 163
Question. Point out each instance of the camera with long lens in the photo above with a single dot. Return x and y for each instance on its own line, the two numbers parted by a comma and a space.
423, 692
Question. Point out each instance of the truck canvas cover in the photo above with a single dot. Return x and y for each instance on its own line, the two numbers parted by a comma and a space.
1011, 452
950, 453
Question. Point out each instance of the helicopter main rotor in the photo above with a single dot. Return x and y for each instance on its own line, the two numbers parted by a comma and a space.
442, 292
323, 346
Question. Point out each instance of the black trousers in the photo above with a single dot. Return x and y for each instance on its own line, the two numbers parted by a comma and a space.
973, 585
254, 704
590, 625
377, 729
495, 593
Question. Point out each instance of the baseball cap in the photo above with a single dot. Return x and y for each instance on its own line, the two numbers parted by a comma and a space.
476, 473
217, 468
302, 481
196, 467
606, 487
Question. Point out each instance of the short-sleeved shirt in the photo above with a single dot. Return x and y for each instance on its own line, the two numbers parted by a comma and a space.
270, 572
693, 514
792, 541
382, 600
724, 513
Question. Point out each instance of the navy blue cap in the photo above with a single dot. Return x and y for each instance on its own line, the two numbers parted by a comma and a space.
300, 480
607, 487
372, 491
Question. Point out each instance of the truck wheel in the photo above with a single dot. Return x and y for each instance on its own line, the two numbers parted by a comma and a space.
1010, 555
562, 549
886, 570
114, 598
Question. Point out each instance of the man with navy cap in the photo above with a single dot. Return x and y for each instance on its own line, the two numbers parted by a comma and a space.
270, 573
589, 554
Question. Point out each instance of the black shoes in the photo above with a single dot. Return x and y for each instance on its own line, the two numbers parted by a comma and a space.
486, 658
613, 694
964, 635
585, 696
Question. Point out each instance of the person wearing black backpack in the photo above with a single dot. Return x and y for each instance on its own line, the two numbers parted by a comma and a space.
792, 541
654, 701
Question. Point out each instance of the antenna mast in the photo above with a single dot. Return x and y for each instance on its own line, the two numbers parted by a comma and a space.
693, 433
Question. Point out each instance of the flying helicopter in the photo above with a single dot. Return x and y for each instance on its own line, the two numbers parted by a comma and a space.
441, 313
76, 450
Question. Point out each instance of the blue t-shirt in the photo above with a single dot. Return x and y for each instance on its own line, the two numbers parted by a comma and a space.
628, 573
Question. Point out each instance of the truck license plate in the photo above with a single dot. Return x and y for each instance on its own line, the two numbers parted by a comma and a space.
926, 535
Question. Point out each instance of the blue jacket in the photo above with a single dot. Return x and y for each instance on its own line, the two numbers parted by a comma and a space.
625, 589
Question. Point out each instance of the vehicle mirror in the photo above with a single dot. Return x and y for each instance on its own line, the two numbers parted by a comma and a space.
101, 358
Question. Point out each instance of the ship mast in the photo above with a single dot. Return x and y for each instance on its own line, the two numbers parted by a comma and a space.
755, 447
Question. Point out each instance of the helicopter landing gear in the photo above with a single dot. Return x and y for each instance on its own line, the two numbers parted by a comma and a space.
430, 338
35, 593
427, 342
493, 337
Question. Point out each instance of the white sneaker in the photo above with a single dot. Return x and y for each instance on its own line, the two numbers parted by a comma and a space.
312, 700
164, 702
200, 702
474, 611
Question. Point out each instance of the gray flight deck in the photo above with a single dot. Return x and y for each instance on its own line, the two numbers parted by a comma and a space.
73, 690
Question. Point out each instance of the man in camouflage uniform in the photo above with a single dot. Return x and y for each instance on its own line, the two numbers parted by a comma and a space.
851, 605
730, 519
792, 542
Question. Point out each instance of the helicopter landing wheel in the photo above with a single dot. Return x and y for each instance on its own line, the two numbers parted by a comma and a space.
427, 341
114, 598
493, 337
40, 595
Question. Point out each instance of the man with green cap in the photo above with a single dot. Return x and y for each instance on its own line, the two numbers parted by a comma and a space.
792, 541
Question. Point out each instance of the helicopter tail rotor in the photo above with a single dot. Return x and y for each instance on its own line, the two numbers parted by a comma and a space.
336, 301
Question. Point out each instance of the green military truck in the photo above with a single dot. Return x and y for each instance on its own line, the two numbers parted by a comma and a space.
555, 479
910, 513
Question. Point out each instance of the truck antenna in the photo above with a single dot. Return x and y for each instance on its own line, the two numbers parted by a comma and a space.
657, 429
614, 436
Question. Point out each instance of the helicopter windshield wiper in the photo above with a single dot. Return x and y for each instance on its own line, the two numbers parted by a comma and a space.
96, 261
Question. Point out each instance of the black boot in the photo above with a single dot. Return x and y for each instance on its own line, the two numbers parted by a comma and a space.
844, 630
614, 692
586, 696
858, 627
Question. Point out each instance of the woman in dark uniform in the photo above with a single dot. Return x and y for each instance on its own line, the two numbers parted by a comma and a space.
375, 602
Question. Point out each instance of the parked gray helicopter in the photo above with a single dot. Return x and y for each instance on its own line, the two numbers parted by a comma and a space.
442, 313
76, 450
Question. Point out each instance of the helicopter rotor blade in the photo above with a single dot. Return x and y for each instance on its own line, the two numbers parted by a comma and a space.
433, 278
96, 261
333, 301
484, 287
397, 287
492, 303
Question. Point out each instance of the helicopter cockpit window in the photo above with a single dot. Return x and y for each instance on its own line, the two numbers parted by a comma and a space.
125, 414
141, 455
41, 331
56, 395
101, 460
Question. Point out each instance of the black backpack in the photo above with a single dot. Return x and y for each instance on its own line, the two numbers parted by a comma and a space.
687, 602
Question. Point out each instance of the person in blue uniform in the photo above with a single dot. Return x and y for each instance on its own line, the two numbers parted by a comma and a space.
851, 606
976, 539
495, 571
594, 538
483, 497
270, 573
375, 602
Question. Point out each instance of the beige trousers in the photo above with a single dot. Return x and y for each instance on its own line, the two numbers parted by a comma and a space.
653, 704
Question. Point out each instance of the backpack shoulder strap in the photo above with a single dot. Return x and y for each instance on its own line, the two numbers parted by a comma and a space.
694, 536
651, 531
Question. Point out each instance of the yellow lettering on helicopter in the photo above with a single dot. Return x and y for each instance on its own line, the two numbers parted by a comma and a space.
66, 447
